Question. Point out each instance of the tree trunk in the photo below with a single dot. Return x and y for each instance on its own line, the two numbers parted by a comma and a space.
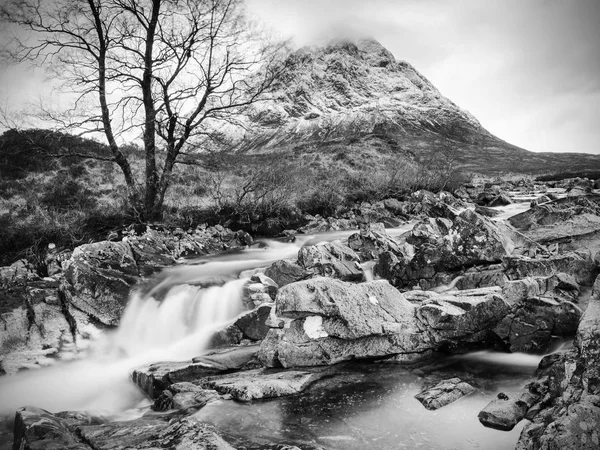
150, 212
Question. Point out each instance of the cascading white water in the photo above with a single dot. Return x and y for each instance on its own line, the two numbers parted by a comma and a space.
176, 328
181, 324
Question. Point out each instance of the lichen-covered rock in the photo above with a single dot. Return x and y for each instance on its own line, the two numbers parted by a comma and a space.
442, 245
98, 279
444, 393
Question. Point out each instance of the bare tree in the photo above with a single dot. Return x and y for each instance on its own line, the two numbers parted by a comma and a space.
171, 71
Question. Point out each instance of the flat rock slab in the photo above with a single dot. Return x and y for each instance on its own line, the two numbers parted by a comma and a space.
155, 378
444, 393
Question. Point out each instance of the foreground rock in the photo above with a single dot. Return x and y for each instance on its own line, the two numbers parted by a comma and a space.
332, 321
444, 393
568, 417
38, 429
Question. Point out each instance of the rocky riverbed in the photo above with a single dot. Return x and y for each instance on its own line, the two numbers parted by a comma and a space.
331, 337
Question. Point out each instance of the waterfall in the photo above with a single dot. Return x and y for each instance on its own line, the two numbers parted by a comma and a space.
181, 324
176, 328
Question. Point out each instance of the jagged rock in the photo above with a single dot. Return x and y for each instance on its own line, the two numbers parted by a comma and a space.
444, 393
36, 428
506, 410
284, 272
568, 417
332, 321
332, 259
36, 320
371, 241
445, 246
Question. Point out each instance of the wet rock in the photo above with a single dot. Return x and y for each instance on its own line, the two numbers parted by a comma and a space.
506, 410
264, 383
332, 259
184, 395
285, 272
36, 428
444, 393
535, 322
155, 378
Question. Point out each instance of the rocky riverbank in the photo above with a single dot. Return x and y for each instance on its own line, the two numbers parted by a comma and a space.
457, 280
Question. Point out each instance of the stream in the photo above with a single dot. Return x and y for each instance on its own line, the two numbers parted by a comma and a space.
366, 405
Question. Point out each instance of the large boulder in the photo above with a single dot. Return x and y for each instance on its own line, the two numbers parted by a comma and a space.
329, 321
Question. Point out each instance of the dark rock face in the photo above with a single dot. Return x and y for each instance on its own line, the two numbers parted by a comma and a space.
152, 433
444, 393
568, 417
284, 272
333, 321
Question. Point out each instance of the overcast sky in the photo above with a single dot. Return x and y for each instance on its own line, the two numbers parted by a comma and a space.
529, 70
